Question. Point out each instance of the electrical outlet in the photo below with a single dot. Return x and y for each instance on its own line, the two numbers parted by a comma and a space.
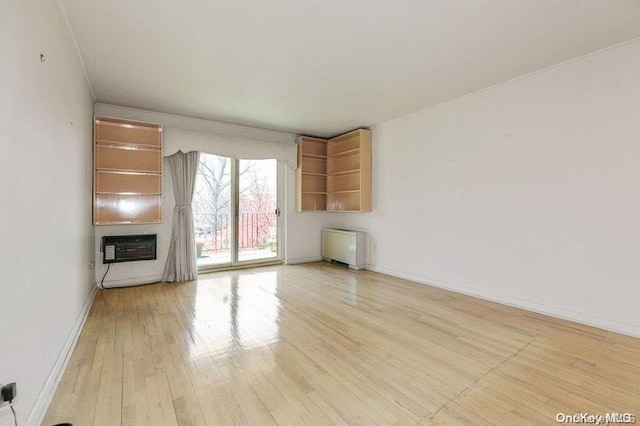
92, 265
9, 392
109, 252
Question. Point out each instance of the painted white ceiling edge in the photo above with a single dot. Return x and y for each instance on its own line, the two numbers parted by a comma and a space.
512, 80
271, 135
323, 68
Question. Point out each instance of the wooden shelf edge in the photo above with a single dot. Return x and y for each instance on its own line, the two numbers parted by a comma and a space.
130, 147
313, 155
150, 147
311, 138
155, 194
344, 153
349, 134
313, 174
130, 222
132, 171
345, 172
128, 173
120, 122
351, 191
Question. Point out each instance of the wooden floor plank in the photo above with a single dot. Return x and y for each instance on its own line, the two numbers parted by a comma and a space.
318, 344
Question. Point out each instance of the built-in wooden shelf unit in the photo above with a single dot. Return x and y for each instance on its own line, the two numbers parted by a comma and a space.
335, 174
127, 182
312, 174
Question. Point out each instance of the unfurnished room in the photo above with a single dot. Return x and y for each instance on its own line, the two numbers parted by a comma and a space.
424, 212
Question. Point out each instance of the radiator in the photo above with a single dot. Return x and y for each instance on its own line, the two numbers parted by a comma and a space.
345, 246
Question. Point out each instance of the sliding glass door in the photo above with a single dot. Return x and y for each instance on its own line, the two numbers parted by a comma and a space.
212, 202
235, 210
257, 207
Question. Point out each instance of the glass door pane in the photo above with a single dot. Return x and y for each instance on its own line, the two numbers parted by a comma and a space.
257, 203
212, 203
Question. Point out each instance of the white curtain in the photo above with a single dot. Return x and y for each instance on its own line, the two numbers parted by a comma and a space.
181, 262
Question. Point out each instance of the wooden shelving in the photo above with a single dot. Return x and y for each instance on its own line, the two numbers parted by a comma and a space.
312, 174
341, 166
127, 172
349, 172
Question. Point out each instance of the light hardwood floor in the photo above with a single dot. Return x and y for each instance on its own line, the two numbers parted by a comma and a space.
319, 344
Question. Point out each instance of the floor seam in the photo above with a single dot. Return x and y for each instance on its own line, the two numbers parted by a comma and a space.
475, 382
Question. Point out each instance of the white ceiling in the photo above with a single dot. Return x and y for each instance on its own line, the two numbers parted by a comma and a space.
322, 67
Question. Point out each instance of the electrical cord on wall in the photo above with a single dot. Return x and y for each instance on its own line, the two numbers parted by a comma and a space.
103, 277
102, 286
15, 418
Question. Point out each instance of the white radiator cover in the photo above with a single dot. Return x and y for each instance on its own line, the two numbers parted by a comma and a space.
345, 246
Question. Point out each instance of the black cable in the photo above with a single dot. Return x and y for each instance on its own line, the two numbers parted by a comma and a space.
104, 276
15, 418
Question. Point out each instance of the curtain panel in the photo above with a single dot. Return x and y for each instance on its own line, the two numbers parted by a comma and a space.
182, 261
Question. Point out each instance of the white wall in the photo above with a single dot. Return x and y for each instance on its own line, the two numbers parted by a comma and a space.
527, 192
45, 219
302, 238
303, 229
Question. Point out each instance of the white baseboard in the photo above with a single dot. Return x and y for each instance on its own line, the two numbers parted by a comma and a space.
628, 329
302, 260
39, 409
128, 282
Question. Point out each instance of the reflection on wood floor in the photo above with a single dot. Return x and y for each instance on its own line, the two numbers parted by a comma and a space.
320, 344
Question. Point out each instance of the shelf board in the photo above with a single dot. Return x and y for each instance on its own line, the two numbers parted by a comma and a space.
351, 191
104, 121
313, 155
128, 222
133, 145
345, 153
130, 171
314, 192
127, 193
345, 172
313, 174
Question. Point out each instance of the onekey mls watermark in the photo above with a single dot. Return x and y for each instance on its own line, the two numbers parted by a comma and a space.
596, 419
